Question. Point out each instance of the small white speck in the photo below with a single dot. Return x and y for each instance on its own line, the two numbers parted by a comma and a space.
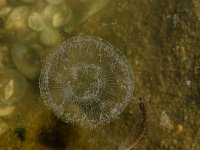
176, 19
188, 82
164, 119
131, 112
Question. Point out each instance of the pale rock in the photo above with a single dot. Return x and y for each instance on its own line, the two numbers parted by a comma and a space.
36, 22
50, 36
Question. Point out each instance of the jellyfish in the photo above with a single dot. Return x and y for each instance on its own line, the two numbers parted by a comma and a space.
86, 81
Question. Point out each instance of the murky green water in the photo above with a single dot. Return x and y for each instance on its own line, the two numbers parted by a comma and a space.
161, 41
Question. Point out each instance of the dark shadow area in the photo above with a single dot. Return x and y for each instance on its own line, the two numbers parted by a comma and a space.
57, 135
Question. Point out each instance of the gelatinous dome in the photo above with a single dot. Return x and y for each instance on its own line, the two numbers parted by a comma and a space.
86, 81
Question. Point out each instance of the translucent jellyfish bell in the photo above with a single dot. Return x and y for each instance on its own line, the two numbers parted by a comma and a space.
86, 81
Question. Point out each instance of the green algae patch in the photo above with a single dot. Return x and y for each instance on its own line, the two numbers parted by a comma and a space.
20, 133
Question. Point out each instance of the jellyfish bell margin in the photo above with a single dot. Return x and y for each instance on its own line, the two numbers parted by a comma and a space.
98, 76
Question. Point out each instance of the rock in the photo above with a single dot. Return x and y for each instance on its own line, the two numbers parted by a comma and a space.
48, 13
62, 17
18, 17
36, 22
26, 60
50, 36
179, 128
57, 15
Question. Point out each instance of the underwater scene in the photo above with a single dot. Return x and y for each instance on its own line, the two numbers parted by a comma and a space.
99, 75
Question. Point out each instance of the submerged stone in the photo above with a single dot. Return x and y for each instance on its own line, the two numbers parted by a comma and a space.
18, 17
57, 16
36, 22
62, 17
50, 36
48, 13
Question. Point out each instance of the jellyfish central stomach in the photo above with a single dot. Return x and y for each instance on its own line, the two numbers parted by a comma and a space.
86, 82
